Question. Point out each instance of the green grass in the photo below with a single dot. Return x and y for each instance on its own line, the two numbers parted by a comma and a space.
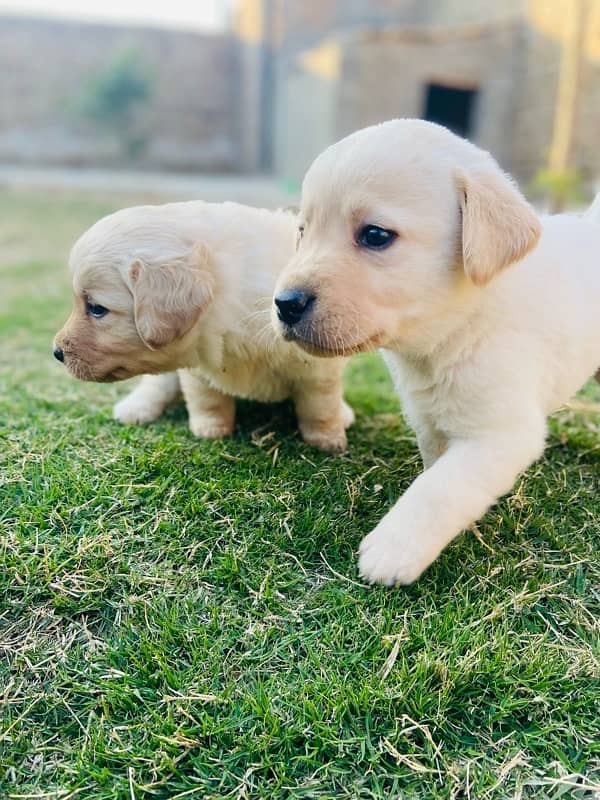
184, 619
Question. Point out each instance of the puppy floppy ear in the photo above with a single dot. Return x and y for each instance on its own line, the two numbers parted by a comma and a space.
169, 299
499, 226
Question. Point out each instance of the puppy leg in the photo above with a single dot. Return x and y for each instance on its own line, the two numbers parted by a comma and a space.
149, 399
445, 499
323, 415
432, 444
211, 414
347, 415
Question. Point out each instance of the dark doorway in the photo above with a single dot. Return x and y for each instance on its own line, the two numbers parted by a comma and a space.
451, 107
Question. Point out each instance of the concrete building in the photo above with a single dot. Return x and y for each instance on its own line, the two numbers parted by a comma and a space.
318, 69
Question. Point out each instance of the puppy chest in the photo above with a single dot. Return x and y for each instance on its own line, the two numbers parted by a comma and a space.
443, 406
250, 378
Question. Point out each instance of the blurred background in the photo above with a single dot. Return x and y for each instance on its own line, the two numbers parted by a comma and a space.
236, 97
110, 103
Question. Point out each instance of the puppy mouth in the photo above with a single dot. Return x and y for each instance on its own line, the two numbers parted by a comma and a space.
118, 374
318, 343
111, 377
83, 372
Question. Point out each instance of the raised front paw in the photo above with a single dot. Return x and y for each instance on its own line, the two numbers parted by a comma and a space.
136, 410
210, 427
393, 556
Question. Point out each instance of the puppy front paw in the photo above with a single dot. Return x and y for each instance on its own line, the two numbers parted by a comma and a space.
393, 556
136, 411
210, 427
331, 441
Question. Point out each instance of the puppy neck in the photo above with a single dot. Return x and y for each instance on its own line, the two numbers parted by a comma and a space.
444, 328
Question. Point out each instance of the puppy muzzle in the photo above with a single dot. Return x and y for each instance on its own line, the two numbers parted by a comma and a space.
293, 305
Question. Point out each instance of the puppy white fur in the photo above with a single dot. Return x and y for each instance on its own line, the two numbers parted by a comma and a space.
488, 316
188, 287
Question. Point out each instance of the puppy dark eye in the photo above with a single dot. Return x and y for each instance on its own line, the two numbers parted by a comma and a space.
375, 238
95, 310
300, 231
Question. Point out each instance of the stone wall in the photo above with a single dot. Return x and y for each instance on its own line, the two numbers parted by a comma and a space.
192, 120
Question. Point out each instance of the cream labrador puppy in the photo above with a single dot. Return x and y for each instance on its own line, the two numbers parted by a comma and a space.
188, 286
414, 240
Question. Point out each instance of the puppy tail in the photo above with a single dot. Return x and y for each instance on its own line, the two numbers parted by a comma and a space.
593, 212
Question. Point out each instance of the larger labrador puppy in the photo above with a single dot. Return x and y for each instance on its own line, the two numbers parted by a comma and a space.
414, 240
188, 286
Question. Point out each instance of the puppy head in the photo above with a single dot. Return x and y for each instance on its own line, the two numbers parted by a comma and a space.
401, 224
140, 285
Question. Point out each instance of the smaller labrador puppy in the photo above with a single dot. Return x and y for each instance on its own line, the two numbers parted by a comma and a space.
188, 287
415, 241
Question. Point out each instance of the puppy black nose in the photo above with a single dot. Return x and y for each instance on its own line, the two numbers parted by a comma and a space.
58, 354
292, 305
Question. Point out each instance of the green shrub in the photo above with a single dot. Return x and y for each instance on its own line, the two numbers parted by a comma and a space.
113, 98
560, 189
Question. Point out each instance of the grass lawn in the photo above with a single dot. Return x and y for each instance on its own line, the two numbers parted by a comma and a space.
181, 619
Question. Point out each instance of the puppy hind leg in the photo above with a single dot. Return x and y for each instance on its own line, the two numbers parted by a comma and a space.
148, 401
211, 413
